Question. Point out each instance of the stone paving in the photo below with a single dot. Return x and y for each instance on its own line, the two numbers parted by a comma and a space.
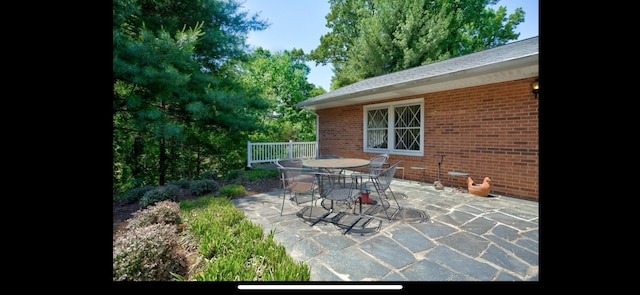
464, 238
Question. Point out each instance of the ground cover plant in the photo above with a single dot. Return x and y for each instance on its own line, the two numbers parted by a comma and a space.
206, 239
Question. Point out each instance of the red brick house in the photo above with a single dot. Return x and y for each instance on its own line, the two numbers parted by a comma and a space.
476, 114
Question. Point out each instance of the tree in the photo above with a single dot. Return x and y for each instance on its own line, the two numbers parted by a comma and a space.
369, 38
177, 102
282, 79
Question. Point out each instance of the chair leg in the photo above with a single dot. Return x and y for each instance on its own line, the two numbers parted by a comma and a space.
284, 196
295, 198
394, 197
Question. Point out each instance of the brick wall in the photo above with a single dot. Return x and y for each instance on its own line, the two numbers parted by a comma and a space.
489, 130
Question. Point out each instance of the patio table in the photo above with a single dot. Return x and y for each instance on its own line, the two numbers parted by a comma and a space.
337, 193
336, 163
340, 164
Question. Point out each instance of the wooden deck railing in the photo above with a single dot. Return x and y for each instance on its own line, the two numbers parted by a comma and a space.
268, 152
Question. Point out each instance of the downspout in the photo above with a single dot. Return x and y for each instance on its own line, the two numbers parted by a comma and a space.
317, 131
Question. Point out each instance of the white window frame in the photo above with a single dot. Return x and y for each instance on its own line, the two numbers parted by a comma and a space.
390, 106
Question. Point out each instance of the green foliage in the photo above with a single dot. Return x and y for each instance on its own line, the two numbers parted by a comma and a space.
209, 174
374, 37
181, 183
282, 79
259, 173
234, 249
134, 195
203, 186
148, 253
231, 191
166, 212
238, 175
178, 104
160, 193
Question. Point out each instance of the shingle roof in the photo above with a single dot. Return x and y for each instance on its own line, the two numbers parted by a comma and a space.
512, 55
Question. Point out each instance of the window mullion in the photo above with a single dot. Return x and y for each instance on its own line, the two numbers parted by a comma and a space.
391, 128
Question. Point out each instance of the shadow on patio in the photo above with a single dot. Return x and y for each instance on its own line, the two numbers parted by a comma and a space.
443, 235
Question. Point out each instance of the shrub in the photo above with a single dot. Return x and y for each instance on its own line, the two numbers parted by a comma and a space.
231, 191
134, 195
203, 186
181, 183
160, 193
260, 173
209, 174
165, 212
148, 253
237, 175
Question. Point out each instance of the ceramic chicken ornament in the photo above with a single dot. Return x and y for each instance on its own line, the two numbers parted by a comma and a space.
481, 190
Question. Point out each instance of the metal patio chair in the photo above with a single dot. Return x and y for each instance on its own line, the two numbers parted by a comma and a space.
375, 166
332, 190
337, 207
380, 182
340, 173
289, 162
297, 181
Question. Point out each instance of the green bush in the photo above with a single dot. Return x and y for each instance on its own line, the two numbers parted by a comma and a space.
203, 186
149, 253
209, 174
160, 193
259, 173
237, 175
231, 248
134, 195
231, 191
166, 212
181, 183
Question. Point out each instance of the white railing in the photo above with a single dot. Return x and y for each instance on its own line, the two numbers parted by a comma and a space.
268, 152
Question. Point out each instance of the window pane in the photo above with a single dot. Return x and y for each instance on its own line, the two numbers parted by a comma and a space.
378, 118
407, 127
407, 139
377, 139
377, 133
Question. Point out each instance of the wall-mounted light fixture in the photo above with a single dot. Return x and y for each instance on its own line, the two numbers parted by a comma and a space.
535, 88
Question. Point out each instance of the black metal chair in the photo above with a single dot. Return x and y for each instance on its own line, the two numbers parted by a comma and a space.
289, 162
339, 172
375, 166
380, 182
297, 181
338, 200
332, 190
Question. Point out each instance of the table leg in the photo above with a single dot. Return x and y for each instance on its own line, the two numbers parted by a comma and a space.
453, 189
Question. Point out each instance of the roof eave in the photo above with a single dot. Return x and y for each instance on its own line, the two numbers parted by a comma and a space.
508, 70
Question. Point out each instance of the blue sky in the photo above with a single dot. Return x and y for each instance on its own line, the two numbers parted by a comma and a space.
300, 23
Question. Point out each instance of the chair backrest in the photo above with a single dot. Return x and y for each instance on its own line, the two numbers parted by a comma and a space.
384, 155
376, 163
332, 188
289, 162
385, 176
298, 180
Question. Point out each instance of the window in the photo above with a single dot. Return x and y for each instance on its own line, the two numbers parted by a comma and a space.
403, 120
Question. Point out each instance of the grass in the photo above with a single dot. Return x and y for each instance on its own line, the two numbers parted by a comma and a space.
234, 248
254, 174
231, 247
